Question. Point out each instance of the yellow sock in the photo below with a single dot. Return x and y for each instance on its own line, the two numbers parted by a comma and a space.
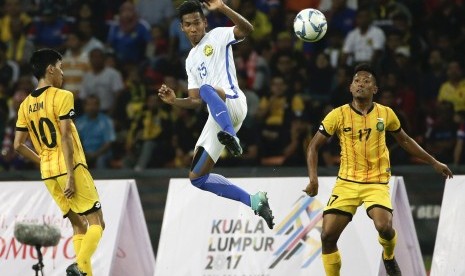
332, 263
388, 246
77, 240
88, 247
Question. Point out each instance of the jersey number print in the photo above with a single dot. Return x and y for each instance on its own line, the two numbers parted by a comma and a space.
41, 135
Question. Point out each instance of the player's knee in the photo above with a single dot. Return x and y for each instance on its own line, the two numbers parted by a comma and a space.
384, 228
206, 91
328, 238
199, 181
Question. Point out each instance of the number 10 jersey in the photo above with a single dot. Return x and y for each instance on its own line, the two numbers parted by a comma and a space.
40, 114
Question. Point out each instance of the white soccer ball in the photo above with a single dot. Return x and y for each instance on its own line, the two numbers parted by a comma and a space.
310, 25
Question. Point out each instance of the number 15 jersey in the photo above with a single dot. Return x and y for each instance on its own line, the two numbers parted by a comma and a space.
40, 114
364, 154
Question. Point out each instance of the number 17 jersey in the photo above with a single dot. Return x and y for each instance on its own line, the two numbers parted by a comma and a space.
40, 114
364, 154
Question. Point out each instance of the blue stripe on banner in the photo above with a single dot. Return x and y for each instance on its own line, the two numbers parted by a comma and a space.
229, 74
292, 219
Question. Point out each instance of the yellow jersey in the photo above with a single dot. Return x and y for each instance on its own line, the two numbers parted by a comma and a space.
364, 154
39, 114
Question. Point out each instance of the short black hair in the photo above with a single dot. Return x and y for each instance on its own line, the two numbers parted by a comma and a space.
41, 59
190, 6
365, 67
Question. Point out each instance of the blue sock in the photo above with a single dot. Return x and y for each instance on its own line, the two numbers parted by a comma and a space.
218, 108
220, 186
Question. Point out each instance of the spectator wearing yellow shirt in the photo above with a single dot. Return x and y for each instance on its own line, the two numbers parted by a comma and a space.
262, 25
453, 90
13, 9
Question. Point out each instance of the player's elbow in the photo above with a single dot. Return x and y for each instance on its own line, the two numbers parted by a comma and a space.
248, 29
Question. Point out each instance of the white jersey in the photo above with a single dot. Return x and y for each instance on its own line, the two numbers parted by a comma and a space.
211, 62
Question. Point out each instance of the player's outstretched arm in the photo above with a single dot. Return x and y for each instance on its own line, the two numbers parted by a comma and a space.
168, 96
243, 27
407, 143
312, 163
22, 149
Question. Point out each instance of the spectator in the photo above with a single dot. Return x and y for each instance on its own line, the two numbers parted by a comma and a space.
9, 160
13, 10
385, 10
148, 134
253, 65
453, 90
433, 76
261, 23
9, 70
49, 30
75, 63
275, 114
89, 40
96, 132
92, 11
340, 94
103, 81
19, 48
158, 12
365, 43
340, 17
129, 36
320, 78
440, 137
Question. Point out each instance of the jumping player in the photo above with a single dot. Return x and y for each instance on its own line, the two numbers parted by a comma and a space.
212, 79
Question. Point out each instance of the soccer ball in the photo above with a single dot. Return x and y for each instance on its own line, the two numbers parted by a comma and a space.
310, 25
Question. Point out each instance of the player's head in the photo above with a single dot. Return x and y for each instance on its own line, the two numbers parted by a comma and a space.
363, 84
46, 64
193, 21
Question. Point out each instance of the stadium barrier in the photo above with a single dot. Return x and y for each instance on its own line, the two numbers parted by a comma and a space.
215, 236
124, 249
450, 241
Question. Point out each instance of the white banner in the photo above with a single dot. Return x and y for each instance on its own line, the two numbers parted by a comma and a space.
207, 235
450, 240
125, 245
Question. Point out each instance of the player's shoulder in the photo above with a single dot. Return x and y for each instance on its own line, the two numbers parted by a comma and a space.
380, 106
63, 92
340, 109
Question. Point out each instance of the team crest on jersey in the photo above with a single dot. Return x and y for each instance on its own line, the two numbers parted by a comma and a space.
380, 125
208, 50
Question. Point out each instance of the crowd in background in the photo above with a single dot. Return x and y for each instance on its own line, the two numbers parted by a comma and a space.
116, 54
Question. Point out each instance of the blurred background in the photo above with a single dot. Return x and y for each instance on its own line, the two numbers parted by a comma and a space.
118, 53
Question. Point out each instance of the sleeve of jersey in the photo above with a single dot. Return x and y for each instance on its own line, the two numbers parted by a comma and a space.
65, 105
21, 123
393, 123
226, 35
329, 124
191, 80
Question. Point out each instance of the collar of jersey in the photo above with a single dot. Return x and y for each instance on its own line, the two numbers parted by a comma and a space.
360, 113
37, 92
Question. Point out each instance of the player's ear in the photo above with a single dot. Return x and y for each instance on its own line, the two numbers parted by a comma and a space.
50, 69
375, 89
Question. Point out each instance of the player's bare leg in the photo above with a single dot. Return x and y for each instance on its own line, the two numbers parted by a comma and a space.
333, 225
79, 225
382, 219
90, 240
